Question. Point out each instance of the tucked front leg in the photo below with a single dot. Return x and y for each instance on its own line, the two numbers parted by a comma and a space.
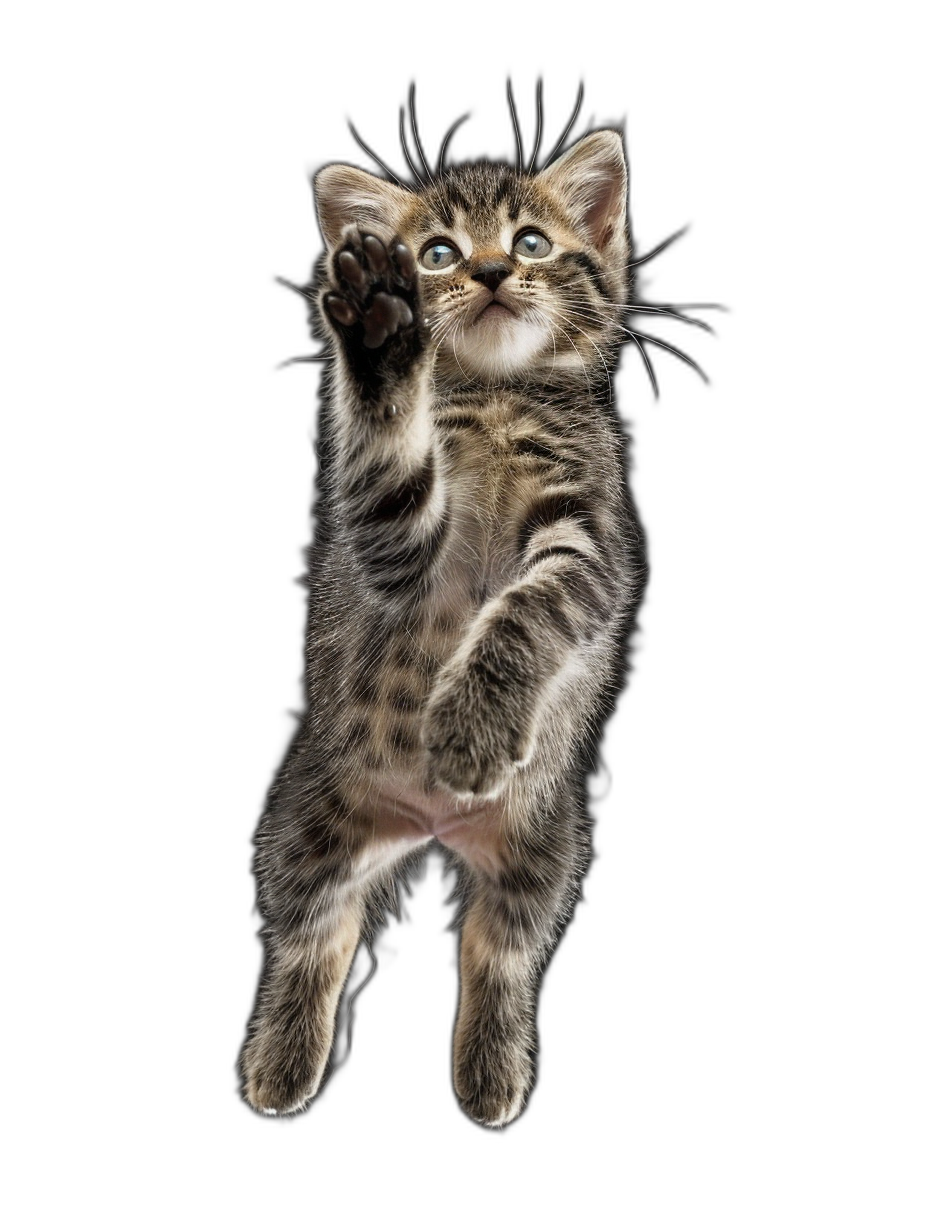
477, 727
483, 715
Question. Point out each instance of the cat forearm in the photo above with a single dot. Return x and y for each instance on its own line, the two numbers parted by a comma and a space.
484, 713
393, 494
527, 634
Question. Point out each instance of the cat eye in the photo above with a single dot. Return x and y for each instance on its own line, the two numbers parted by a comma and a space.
438, 256
532, 244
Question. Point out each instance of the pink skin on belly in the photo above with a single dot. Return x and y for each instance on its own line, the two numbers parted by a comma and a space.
400, 811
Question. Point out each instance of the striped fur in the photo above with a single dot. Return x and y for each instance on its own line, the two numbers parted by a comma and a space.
474, 579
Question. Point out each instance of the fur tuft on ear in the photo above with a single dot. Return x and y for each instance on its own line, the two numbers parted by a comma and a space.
591, 181
346, 195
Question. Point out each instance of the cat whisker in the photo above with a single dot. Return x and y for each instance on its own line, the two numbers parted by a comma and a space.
515, 125
583, 366
648, 256
304, 359
440, 166
412, 166
567, 317
647, 364
539, 119
681, 355
305, 292
565, 134
658, 310
415, 131
376, 158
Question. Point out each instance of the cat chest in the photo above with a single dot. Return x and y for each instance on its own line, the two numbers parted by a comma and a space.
495, 473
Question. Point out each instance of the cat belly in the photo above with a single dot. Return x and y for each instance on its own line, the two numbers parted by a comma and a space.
400, 811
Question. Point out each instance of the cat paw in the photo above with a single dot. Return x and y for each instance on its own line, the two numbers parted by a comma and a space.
474, 742
277, 1080
285, 1060
493, 1078
375, 290
489, 1103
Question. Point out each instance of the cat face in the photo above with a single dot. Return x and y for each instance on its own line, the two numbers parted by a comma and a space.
516, 272
498, 272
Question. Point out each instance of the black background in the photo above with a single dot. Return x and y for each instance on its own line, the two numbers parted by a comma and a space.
659, 1008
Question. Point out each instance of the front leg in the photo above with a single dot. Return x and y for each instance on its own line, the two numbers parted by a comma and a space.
479, 722
489, 699
389, 478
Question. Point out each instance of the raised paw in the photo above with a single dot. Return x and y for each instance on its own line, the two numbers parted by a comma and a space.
374, 296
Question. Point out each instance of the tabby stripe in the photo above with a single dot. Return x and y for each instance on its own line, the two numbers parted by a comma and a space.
506, 657
586, 588
388, 552
589, 266
459, 421
361, 484
410, 497
554, 507
527, 446
538, 607
393, 569
558, 549
403, 740
486, 673
570, 599
405, 701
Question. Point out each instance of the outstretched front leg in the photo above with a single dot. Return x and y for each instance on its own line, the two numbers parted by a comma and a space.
389, 476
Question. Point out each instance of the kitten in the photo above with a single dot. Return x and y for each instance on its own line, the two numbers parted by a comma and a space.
476, 570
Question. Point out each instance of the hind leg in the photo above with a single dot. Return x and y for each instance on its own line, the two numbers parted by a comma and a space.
292, 1030
321, 883
512, 920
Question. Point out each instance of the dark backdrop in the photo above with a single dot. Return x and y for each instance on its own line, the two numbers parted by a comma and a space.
656, 1010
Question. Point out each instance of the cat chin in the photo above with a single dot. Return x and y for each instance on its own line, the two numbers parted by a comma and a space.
497, 346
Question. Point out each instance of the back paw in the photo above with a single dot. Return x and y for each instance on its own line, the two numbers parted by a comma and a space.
280, 1074
493, 1075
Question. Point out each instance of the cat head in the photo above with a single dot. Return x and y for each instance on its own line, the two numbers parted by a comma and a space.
517, 270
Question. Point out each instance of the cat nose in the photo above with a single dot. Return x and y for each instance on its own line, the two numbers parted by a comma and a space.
491, 273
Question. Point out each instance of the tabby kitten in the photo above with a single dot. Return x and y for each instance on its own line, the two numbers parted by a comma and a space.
476, 569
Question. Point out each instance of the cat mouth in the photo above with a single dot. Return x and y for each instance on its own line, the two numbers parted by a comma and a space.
495, 308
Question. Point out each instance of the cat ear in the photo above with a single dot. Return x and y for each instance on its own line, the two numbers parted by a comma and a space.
592, 182
347, 195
